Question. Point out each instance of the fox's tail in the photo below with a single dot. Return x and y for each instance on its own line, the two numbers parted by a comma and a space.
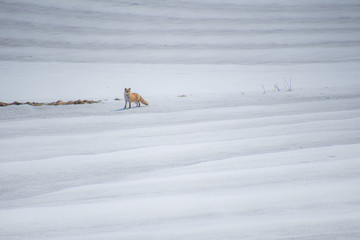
142, 100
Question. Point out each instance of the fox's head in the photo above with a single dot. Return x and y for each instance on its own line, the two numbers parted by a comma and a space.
127, 90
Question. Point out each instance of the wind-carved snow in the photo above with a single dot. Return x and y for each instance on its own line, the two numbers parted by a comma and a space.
244, 32
283, 167
218, 153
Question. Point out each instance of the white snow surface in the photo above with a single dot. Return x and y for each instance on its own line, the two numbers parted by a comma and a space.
218, 153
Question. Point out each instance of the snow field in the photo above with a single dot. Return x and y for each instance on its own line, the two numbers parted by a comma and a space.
225, 161
281, 166
190, 32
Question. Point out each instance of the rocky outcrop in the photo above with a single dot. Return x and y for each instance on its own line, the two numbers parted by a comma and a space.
57, 103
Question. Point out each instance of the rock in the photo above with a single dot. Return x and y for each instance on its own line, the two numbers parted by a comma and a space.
36, 104
2, 104
16, 103
59, 102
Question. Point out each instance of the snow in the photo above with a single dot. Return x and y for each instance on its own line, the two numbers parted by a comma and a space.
213, 156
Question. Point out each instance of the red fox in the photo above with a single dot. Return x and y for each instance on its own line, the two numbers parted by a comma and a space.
133, 97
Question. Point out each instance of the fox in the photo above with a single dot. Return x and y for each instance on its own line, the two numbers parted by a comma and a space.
133, 97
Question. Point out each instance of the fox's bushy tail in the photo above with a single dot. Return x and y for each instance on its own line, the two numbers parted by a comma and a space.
142, 100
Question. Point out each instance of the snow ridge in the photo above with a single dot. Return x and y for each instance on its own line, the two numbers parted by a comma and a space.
212, 171
240, 32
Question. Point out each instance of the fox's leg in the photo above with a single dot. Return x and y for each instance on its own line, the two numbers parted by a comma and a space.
138, 103
125, 104
129, 104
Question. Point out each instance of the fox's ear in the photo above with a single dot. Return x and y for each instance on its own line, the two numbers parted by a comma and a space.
129, 89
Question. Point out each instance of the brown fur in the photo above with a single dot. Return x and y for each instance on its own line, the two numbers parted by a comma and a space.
133, 97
